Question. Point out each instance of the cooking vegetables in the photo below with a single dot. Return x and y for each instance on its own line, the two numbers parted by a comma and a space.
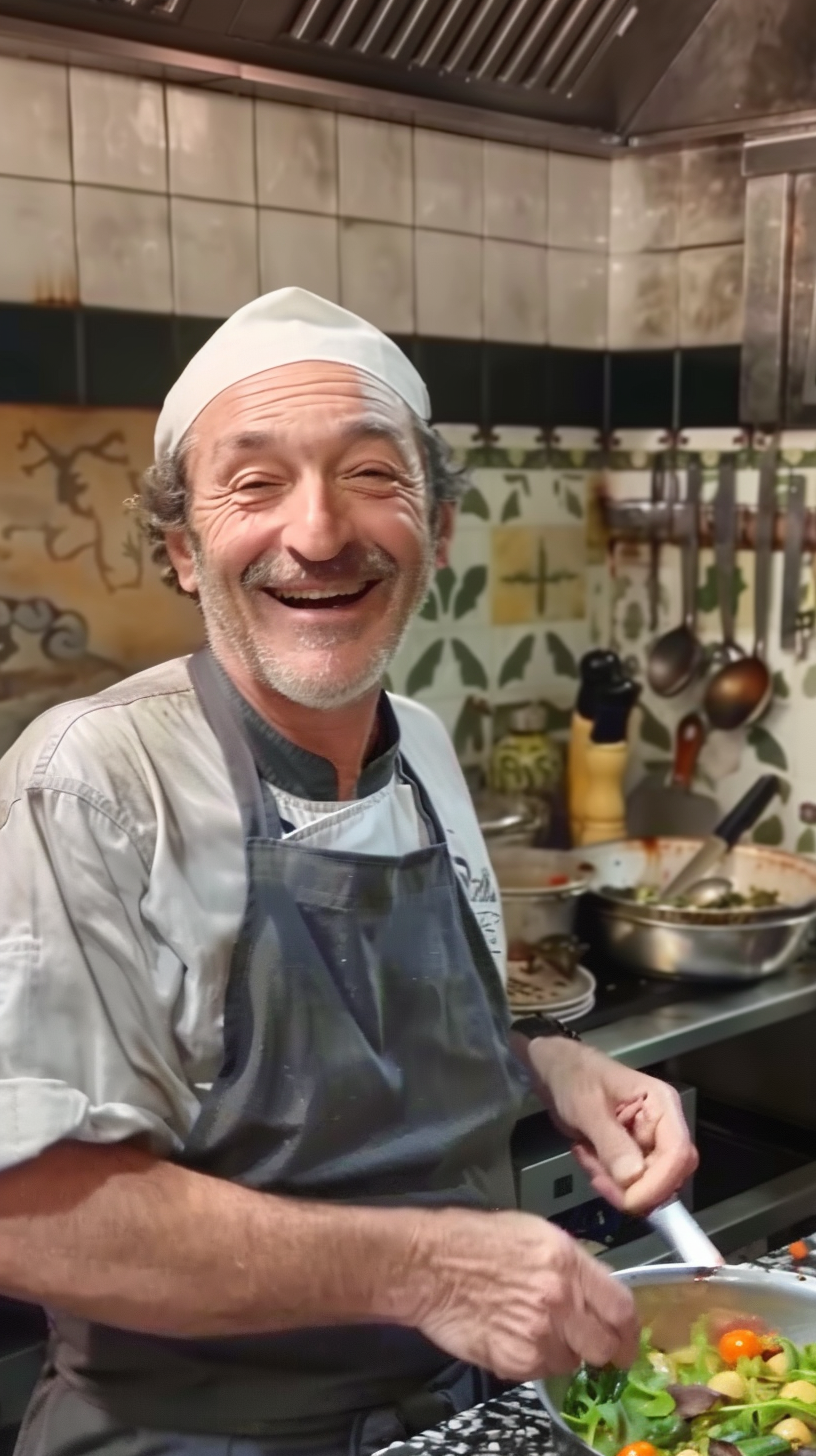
731, 1391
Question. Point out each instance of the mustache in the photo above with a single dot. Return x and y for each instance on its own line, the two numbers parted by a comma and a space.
278, 571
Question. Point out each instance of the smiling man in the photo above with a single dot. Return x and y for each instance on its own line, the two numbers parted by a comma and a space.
257, 1076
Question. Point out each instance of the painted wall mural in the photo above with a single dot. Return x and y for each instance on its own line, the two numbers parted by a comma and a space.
81, 604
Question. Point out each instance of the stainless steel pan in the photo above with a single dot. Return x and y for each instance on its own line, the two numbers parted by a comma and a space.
721, 945
670, 1297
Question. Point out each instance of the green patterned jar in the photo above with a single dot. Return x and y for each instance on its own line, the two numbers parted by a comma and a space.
526, 760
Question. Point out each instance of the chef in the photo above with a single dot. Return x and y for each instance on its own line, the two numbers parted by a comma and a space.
257, 1081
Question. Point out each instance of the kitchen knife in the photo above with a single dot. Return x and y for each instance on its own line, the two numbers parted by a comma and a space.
742, 817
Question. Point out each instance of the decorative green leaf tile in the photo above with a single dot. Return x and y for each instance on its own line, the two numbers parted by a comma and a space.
633, 622
429, 609
707, 598
766, 747
513, 477
472, 585
473, 503
516, 662
445, 582
806, 843
809, 682
657, 765
512, 507
770, 831
468, 730
424, 669
653, 732
784, 790
563, 660
574, 504
780, 686
471, 671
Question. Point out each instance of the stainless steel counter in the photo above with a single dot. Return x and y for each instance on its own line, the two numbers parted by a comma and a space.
708, 1018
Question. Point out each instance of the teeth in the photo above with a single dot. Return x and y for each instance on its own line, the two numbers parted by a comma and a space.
317, 596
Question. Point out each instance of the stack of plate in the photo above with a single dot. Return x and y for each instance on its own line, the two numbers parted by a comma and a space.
547, 990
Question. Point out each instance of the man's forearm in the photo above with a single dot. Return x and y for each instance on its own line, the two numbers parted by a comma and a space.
116, 1235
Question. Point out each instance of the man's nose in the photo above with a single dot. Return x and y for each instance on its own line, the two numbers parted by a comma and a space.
317, 526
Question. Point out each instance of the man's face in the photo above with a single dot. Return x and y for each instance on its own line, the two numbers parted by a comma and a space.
310, 541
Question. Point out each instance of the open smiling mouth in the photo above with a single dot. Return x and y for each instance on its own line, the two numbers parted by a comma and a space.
320, 598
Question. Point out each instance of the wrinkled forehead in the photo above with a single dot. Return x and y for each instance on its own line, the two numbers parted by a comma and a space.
304, 408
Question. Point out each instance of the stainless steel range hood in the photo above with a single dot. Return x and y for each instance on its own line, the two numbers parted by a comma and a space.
592, 74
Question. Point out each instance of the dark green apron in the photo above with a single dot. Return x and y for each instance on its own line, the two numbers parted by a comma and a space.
365, 1061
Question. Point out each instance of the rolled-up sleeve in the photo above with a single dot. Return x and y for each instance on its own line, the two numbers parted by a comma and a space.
86, 1019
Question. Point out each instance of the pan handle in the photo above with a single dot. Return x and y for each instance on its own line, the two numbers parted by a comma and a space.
745, 814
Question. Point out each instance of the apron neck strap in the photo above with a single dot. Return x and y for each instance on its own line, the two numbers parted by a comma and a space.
258, 820
424, 805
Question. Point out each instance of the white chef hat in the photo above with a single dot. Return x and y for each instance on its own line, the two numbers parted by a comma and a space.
284, 327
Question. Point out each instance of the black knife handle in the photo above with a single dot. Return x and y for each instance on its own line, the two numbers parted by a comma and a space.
744, 815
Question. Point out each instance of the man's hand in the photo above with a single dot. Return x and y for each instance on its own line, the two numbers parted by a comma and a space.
516, 1295
628, 1130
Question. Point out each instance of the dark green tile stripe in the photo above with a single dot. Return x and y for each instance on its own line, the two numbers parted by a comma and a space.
111, 357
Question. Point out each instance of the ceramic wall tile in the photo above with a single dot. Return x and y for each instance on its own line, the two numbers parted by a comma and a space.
118, 131
211, 145
37, 256
538, 574
579, 200
643, 301
34, 127
301, 250
577, 285
645, 202
215, 257
377, 274
76, 563
376, 167
447, 181
515, 292
515, 193
442, 660
297, 157
460, 592
712, 206
448, 285
123, 246
711, 295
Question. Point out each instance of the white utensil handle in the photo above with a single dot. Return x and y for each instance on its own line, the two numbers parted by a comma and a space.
682, 1233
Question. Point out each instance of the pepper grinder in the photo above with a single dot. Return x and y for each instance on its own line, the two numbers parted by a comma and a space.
598, 670
604, 806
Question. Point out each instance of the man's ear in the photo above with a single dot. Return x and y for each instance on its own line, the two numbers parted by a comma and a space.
445, 522
179, 550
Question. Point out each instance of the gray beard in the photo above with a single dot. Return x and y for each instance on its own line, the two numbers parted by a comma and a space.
321, 690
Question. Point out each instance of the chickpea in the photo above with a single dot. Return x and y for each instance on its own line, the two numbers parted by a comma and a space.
793, 1430
778, 1364
686, 1356
688, 1451
799, 1390
729, 1383
661, 1362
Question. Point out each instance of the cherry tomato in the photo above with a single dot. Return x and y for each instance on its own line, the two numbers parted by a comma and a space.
638, 1448
737, 1343
798, 1250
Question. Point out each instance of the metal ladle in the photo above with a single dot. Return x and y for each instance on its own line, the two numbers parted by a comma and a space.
725, 560
740, 692
705, 894
676, 657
